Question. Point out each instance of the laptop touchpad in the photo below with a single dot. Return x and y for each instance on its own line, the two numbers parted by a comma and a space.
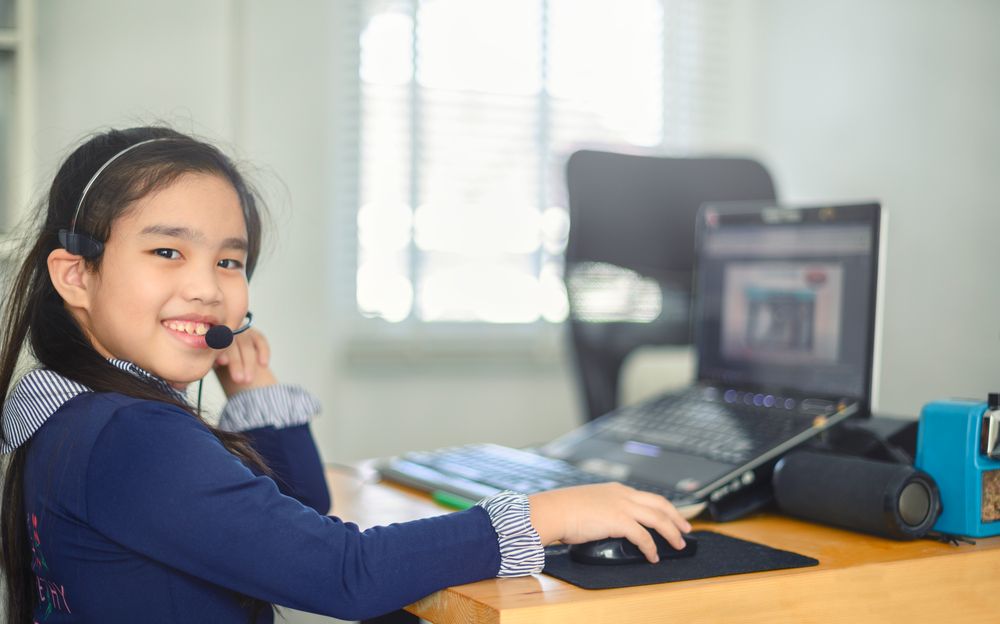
621, 462
681, 473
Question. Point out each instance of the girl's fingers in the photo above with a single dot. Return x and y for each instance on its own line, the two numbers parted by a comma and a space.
263, 348
248, 356
244, 363
585, 513
243, 355
236, 366
661, 504
649, 512
254, 352
643, 517
641, 538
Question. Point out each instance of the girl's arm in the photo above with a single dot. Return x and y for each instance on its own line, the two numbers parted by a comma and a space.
275, 417
570, 515
186, 502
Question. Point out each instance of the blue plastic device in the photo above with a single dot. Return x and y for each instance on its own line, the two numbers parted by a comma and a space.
949, 450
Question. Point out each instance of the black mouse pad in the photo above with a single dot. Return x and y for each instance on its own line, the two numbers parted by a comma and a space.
718, 555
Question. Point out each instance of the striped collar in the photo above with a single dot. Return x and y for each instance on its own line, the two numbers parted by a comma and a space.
40, 393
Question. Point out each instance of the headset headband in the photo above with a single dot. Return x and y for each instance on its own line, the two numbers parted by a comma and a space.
80, 244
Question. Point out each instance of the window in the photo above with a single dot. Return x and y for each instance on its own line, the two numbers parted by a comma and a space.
468, 111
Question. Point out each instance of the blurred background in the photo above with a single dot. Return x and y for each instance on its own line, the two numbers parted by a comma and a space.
412, 155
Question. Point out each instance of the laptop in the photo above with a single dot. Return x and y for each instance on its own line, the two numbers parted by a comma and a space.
785, 324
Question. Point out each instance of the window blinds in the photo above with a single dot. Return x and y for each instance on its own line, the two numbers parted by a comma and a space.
469, 109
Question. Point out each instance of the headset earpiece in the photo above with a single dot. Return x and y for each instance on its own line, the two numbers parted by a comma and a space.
80, 245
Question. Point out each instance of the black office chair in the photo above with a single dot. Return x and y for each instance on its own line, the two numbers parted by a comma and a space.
630, 253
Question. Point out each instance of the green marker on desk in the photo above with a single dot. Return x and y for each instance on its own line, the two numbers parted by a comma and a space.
452, 500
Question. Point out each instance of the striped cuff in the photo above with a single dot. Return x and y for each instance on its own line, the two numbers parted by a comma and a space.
521, 550
278, 406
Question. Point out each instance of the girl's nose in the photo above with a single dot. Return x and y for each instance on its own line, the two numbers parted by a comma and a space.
202, 285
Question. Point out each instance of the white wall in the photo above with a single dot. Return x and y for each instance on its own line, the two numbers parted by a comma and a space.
898, 100
893, 99
107, 63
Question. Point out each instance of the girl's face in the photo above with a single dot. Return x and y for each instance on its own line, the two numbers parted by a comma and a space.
172, 268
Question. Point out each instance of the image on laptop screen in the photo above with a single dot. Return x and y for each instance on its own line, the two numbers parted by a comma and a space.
784, 298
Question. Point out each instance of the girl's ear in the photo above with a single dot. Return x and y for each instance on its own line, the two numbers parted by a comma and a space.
68, 272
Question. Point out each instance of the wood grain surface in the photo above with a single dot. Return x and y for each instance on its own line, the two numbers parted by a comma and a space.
860, 578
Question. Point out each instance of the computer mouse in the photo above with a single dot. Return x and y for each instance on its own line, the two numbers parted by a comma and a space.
618, 550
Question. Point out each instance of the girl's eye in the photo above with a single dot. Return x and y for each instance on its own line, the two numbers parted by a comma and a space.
169, 254
230, 264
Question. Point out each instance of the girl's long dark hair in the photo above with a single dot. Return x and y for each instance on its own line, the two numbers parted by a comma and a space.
35, 319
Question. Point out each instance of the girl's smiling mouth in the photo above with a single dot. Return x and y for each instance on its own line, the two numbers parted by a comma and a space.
194, 328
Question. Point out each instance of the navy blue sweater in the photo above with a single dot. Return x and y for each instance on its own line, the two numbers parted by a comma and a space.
136, 513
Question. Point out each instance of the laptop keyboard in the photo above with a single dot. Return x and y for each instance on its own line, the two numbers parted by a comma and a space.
725, 432
478, 470
732, 433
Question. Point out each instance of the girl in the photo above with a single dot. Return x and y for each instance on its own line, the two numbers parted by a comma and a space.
122, 504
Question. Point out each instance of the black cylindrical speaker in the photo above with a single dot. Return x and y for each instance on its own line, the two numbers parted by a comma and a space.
882, 498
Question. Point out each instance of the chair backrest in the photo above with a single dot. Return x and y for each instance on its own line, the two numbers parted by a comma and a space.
630, 253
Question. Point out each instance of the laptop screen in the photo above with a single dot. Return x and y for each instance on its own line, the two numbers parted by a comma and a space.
786, 298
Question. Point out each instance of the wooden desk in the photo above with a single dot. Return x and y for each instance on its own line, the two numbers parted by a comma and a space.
859, 578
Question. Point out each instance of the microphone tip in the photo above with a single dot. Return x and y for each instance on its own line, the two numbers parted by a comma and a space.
219, 337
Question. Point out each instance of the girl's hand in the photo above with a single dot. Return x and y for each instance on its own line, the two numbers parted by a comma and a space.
591, 512
244, 364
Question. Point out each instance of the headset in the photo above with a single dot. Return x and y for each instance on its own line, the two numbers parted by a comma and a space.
219, 336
